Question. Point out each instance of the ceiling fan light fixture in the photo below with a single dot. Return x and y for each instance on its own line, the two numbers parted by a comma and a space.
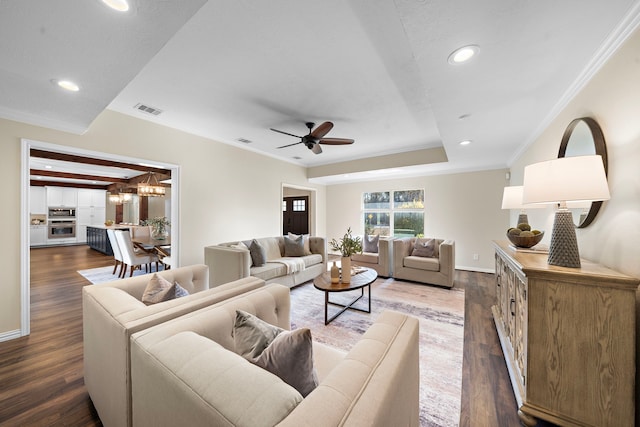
150, 187
463, 54
119, 5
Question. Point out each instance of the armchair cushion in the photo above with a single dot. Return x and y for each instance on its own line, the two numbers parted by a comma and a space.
367, 257
422, 263
371, 243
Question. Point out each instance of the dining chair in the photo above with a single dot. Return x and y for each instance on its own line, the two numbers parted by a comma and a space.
164, 252
117, 254
142, 232
130, 257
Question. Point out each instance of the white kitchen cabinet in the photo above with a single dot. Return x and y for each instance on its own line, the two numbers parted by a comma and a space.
38, 235
38, 200
92, 198
62, 197
88, 216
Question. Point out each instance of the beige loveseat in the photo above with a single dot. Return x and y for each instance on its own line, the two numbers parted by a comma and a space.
380, 261
111, 312
437, 271
184, 372
227, 262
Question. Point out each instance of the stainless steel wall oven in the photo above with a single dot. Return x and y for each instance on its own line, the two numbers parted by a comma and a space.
62, 212
61, 228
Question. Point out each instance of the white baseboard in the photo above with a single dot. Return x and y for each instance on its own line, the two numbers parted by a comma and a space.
478, 269
10, 335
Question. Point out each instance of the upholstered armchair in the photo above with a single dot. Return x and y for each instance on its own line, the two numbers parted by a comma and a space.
419, 260
376, 255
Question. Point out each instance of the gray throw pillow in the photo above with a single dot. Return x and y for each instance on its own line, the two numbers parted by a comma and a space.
290, 357
427, 248
307, 248
371, 244
251, 335
180, 291
294, 246
258, 254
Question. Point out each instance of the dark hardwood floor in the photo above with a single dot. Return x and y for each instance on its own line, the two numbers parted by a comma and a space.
41, 376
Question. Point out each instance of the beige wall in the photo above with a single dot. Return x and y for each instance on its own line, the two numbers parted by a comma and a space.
612, 98
465, 207
226, 193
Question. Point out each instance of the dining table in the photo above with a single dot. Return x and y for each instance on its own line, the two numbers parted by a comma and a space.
149, 244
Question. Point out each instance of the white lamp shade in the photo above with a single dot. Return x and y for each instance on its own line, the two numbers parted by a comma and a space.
512, 199
565, 179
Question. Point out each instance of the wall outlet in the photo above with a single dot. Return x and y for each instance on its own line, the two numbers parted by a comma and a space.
475, 257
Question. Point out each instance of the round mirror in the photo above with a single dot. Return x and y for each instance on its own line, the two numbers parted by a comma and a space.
581, 138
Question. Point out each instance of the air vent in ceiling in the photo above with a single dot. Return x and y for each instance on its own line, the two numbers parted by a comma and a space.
147, 109
244, 141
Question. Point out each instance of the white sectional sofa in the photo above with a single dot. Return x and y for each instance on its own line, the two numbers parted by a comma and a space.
227, 262
113, 311
184, 372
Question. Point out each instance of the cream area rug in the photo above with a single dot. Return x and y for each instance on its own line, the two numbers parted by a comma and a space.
441, 315
104, 274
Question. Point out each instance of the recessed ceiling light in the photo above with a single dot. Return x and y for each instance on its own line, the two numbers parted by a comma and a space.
463, 54
68, 85
465, 142
119, 5
48, 167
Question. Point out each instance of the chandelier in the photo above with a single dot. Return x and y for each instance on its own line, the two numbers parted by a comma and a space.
120, 198
151, 187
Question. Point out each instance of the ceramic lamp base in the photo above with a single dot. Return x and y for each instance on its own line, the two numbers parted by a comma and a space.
563, 249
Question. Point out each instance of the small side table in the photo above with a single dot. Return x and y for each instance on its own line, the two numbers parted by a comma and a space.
358, 281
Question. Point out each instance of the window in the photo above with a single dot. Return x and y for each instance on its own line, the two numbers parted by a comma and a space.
284, 206
299, 206
394, 213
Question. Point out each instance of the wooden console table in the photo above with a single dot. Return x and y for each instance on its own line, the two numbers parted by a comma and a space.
568, 338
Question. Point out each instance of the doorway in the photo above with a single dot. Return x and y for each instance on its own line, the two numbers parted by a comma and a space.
298, 210
27, 146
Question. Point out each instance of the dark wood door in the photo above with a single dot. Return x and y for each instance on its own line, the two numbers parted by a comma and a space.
295, 215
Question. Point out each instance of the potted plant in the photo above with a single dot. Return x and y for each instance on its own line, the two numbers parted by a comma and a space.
347, 246
158, 227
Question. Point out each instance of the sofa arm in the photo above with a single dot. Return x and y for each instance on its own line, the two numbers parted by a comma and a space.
377, 384
448, 259
226, 264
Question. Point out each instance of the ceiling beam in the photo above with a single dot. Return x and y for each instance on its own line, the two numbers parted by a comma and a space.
91, 161
69, 175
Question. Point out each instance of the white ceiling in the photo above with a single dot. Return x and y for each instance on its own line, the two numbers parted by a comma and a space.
231, 69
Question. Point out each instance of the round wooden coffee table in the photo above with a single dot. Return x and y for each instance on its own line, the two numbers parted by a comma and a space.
358, 281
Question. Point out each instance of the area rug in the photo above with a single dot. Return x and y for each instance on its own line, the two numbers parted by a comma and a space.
104, 274
441, 315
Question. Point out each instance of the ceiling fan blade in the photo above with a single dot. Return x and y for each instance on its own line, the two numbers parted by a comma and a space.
286, 133
289, 145
322, 130
316, 149
336, 141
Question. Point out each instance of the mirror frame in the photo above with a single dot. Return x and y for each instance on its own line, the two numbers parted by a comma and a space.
601, 149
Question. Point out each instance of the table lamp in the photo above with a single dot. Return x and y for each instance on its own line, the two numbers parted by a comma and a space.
512, 199
562, 180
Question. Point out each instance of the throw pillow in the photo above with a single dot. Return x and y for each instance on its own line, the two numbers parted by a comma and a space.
180, 291
371, 244
290, 357
258, 254
251, 335
293, 247
240, 245
158, 289
307, 248
427, 248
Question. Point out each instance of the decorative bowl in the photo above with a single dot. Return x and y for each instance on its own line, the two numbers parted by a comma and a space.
526, 241
108, 223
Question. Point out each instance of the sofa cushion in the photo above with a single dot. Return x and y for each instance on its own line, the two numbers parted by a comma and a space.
158, 290
290, 357
269, 271
312, 259
294, 247
239, 393
252, 335
367, 257
426, 248
370, 244
307, 248
258, 253
422, 263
